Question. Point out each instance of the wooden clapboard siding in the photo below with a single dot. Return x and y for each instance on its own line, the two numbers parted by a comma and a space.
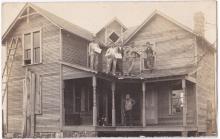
50, 105
103, 35
15, 105
163, 101
74, 49
174, 46
191, 103
205, 83
50, 90
50, 45
164, 117
72, 73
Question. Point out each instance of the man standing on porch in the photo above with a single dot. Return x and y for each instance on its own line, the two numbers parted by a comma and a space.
111, 59
129, 103
94, 51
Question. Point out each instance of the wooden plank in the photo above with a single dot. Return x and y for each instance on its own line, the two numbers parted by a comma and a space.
144, 103
94, 84
78, 67
184, 102
191, 79
113, 87
32, 97
77, 75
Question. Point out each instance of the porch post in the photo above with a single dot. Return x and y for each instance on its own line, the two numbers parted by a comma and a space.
143, 109
184, 133
113, 104
94, 101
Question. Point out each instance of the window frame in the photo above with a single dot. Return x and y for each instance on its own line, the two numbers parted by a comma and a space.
111, 34
171, 101
32, 46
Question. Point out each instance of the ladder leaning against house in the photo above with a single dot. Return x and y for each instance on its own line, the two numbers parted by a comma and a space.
8, 65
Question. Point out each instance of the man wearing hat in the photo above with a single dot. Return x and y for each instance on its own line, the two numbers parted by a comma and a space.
149, 61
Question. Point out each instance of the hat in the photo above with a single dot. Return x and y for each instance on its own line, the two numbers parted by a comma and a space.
148, 43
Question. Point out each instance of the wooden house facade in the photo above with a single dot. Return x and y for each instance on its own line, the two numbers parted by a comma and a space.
52, 92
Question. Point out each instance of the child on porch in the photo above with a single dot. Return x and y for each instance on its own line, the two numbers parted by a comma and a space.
129, 103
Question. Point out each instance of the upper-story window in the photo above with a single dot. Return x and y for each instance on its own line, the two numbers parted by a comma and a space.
32, 48
113, 37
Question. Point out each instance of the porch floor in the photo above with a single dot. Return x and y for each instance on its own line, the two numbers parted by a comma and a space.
129, 128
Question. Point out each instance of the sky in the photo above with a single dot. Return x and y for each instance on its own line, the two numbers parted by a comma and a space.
94, 15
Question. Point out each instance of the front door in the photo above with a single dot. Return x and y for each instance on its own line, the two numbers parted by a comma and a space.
151, 106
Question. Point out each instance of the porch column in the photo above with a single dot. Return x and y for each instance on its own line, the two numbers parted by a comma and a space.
94, 101
143, 109
113, 104
184, 133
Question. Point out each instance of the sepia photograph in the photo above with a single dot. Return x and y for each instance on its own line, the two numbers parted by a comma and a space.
109, 69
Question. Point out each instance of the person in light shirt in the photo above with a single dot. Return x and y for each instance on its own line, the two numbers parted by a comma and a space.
94, 51
111, 59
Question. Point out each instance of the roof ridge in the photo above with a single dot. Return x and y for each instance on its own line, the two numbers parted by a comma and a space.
73, 24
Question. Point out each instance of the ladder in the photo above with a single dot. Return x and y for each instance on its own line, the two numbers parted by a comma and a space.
8, 65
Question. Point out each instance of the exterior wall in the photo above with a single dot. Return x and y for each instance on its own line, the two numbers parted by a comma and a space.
191, 104
164, 116
205, 83
174, 46
105, 32
75, 49
48, 70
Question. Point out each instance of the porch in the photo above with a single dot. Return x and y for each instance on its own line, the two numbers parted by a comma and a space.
98, 97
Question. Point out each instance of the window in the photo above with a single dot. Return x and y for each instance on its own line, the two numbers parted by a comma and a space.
114, 37
27, 48
176, 101
36, 45
32, 48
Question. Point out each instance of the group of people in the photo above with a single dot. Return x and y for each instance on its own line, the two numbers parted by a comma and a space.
114, 55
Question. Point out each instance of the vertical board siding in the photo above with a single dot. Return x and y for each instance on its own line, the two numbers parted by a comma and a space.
173, 45
74, 49
50, 89
50, 104
15, 105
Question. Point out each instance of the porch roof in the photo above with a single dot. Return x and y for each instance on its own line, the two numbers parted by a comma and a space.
146, 75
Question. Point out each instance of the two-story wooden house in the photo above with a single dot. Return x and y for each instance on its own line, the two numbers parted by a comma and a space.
51, 91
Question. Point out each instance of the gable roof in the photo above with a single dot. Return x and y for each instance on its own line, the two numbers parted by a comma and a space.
156, 12
60, 22
111, 21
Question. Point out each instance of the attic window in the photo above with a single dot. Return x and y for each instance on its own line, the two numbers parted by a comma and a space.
114, 37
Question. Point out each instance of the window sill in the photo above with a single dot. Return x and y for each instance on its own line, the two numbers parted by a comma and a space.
32, 64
